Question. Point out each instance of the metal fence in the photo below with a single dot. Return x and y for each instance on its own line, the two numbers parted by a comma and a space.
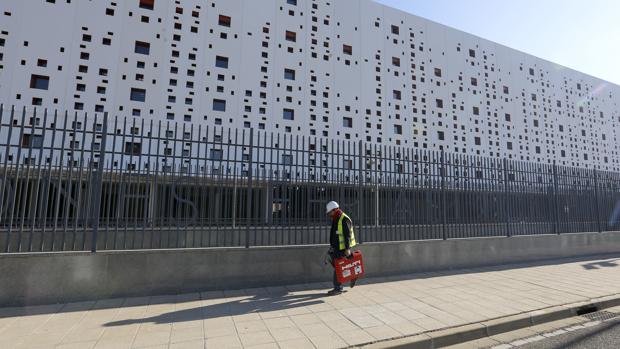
81, 182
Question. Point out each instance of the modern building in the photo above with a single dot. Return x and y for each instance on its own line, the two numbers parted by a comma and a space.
340, 69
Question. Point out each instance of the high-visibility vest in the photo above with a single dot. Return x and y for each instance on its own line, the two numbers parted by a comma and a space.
340, 233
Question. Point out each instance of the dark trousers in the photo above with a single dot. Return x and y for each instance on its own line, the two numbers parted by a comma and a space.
335, 255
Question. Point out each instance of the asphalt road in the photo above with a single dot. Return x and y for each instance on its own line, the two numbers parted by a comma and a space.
603, 336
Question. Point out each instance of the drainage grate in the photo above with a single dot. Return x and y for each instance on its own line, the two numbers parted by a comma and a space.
601, 316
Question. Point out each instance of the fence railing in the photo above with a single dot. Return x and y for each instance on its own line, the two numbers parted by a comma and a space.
81, 182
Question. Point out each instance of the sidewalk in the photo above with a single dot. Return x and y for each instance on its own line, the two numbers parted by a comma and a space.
302, 317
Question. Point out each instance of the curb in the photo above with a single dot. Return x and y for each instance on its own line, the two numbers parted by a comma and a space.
473, 331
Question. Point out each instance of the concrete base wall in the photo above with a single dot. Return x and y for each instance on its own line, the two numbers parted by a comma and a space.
46, 278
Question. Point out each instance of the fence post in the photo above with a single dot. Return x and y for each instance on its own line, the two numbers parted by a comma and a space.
360, 200
442, 173
506, 213
556, 229
249, 198
99, 181
596, 204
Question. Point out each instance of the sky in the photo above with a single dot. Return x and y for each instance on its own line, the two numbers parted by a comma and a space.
580, 34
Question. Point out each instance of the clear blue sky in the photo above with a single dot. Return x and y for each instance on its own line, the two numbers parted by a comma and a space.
580, 34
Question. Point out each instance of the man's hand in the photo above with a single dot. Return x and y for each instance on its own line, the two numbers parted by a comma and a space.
348, 252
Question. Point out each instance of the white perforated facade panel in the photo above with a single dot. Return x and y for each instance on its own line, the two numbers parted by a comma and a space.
342, 69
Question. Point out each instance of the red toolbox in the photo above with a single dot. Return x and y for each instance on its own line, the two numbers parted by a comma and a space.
348, 269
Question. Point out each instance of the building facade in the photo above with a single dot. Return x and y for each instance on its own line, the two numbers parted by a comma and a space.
338, 69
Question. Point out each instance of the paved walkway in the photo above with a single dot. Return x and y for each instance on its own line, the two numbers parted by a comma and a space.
301, 317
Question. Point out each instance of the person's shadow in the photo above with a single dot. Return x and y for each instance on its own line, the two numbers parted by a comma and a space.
252, 304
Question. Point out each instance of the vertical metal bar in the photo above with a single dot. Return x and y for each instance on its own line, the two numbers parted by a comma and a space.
596, 201
164, 220
299, 230
113, 188
69, 190
148, 182
195, 192
555, 199
212, 193
173, 197
360, 198
185, 176
28, 187
38, 206
412, 216
442, 173
506, 209
98, 184
89, 182
286, 185
250, 188
48, 185
78, 200
5, 166
229, 199
204, 190
116, 182
132, 172
14, 203
157, 201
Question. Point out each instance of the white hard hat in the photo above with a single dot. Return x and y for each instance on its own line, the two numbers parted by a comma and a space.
332, 205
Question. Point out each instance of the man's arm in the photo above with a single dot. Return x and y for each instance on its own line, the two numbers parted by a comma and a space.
346, 231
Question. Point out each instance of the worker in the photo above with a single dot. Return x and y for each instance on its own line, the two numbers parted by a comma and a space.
341, 240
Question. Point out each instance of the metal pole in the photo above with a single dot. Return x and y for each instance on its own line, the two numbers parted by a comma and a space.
249, 198
359, 192
598, 216
555, 199
506, 213
442, 173
98, 184
376, 203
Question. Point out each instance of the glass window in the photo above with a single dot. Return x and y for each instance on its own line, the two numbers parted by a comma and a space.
288, 114
219, 105
142, 48
221, 62
347, 122
224, 21
289, 74
39, 82
147, 4
291, 36
216, 154
138, 95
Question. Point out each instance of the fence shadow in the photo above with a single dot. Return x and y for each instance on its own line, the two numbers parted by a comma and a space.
602, 264
255, 304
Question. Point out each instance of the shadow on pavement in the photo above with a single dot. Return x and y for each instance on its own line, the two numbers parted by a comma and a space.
247, 305
602, 264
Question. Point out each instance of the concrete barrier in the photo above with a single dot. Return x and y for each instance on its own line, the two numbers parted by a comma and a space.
45, 278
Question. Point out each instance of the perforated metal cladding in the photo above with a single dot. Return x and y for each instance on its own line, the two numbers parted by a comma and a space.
345, 69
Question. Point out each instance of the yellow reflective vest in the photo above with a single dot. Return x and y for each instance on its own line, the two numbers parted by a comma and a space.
340, 233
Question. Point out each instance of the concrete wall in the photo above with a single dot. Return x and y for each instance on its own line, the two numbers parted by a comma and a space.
66, 277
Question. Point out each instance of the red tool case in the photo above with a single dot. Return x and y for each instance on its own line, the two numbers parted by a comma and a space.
348, 269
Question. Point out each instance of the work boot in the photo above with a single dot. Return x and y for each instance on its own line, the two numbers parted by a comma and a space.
334, 292
353, 283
